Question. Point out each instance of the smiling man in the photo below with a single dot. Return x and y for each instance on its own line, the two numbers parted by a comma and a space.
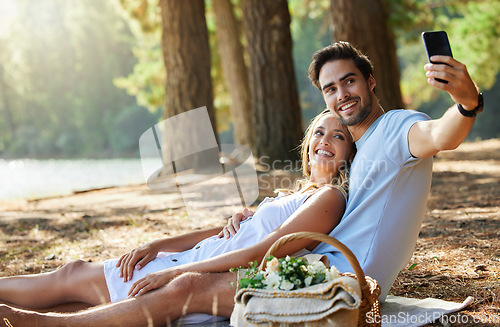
391, 173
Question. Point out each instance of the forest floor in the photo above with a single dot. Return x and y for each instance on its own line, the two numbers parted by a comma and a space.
457, 254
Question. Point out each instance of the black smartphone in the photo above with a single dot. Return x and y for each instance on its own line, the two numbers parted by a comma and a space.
437, 43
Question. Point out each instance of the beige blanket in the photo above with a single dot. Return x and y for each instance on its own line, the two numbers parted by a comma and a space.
308, 304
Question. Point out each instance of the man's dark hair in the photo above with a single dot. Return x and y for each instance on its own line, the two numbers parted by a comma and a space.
335, 51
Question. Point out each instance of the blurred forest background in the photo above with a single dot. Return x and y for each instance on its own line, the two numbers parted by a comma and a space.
85, 78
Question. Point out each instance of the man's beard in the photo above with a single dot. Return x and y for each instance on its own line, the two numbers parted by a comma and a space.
364, 112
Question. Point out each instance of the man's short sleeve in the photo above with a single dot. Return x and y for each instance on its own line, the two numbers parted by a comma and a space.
397, 126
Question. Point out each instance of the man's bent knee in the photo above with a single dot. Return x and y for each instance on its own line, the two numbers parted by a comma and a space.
184, 283
211, 293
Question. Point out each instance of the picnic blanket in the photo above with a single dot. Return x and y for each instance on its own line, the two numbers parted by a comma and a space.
398, 311
407, 312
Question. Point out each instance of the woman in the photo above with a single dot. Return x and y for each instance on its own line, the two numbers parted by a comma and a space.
316, 204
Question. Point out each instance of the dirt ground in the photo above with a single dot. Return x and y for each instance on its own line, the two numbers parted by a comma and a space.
457, 254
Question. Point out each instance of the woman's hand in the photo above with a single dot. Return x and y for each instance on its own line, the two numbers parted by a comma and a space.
136, 259
233, 223
151, 282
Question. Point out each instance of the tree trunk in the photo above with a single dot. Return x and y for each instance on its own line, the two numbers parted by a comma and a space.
188, 86
364, 24
235, 71
186, 54
273, 91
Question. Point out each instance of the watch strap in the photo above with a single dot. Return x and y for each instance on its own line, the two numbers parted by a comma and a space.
472, 113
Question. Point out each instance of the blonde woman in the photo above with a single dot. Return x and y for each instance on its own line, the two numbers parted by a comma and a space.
316, 204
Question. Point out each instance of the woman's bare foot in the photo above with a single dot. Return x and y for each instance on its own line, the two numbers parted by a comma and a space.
12, 317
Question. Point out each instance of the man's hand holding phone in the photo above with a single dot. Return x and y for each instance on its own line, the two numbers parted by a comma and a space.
460, 86
446, 73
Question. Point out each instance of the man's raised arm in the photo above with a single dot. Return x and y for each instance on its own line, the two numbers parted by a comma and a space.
426, 138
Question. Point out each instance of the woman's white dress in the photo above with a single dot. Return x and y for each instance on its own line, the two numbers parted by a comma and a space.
270, 214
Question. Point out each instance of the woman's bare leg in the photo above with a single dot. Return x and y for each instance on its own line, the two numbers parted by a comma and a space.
77, 281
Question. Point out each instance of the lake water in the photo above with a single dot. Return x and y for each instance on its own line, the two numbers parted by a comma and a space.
28, 178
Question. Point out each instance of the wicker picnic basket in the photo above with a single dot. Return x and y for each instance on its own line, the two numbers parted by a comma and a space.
369, 310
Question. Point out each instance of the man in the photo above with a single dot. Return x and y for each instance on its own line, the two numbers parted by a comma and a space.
391, 173
390, 181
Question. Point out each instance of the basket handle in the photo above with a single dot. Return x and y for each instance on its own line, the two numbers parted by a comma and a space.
326, 239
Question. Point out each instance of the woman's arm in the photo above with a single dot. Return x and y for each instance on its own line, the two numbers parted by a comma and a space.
320, 213
142, 255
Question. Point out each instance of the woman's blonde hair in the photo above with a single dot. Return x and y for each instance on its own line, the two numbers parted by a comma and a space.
340, 181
